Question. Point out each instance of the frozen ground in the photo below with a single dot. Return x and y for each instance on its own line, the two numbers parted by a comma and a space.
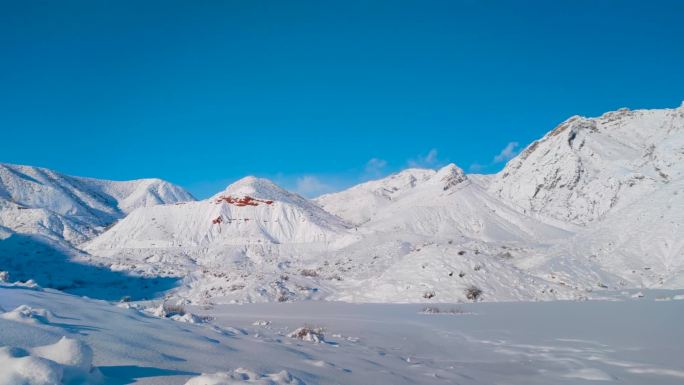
624, 339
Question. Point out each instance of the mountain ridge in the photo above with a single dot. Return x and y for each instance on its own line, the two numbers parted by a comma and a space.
595, 203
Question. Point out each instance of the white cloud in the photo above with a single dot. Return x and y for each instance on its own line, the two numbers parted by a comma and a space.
311, 186
426, 161
374, 168
508, 153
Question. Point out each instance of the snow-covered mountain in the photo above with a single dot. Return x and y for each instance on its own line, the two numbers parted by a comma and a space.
269, 244
36, 200
238, 244
620, 177
251, 210
587, 167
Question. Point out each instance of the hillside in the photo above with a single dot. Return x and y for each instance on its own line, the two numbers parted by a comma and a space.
36, 200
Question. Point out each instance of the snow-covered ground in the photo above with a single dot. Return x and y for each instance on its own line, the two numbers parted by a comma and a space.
621, 339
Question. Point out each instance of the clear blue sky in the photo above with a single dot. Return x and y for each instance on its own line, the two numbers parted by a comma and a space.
308, 93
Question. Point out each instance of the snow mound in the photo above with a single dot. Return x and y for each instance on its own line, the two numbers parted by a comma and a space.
27, 314
19, 367
176, 312
188, 318
73, 354
68, 361
245, 376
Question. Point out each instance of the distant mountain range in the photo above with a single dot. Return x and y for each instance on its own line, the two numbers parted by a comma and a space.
597, 203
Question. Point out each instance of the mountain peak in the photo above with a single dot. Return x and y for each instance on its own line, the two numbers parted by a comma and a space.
450, 176
255, 189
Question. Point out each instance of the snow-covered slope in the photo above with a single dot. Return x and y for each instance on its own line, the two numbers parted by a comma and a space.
360, 203
442, 203
587, 167
620, 177
642, 243
41, 201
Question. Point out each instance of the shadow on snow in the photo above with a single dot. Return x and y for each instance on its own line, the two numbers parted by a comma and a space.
50, 265
128, 374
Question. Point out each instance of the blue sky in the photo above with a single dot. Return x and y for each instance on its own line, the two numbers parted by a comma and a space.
317, 95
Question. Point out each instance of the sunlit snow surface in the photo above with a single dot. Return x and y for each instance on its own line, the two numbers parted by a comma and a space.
621, 339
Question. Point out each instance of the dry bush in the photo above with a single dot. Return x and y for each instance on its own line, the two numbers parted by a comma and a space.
173, 309
308, 333
308, 273
437, 310
506, 255
473, 293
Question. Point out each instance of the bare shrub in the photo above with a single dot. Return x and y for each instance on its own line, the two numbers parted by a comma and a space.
173, 309
506, 255
236, 287
308, 273
473, 293
431, 310
437, 310
308, 333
